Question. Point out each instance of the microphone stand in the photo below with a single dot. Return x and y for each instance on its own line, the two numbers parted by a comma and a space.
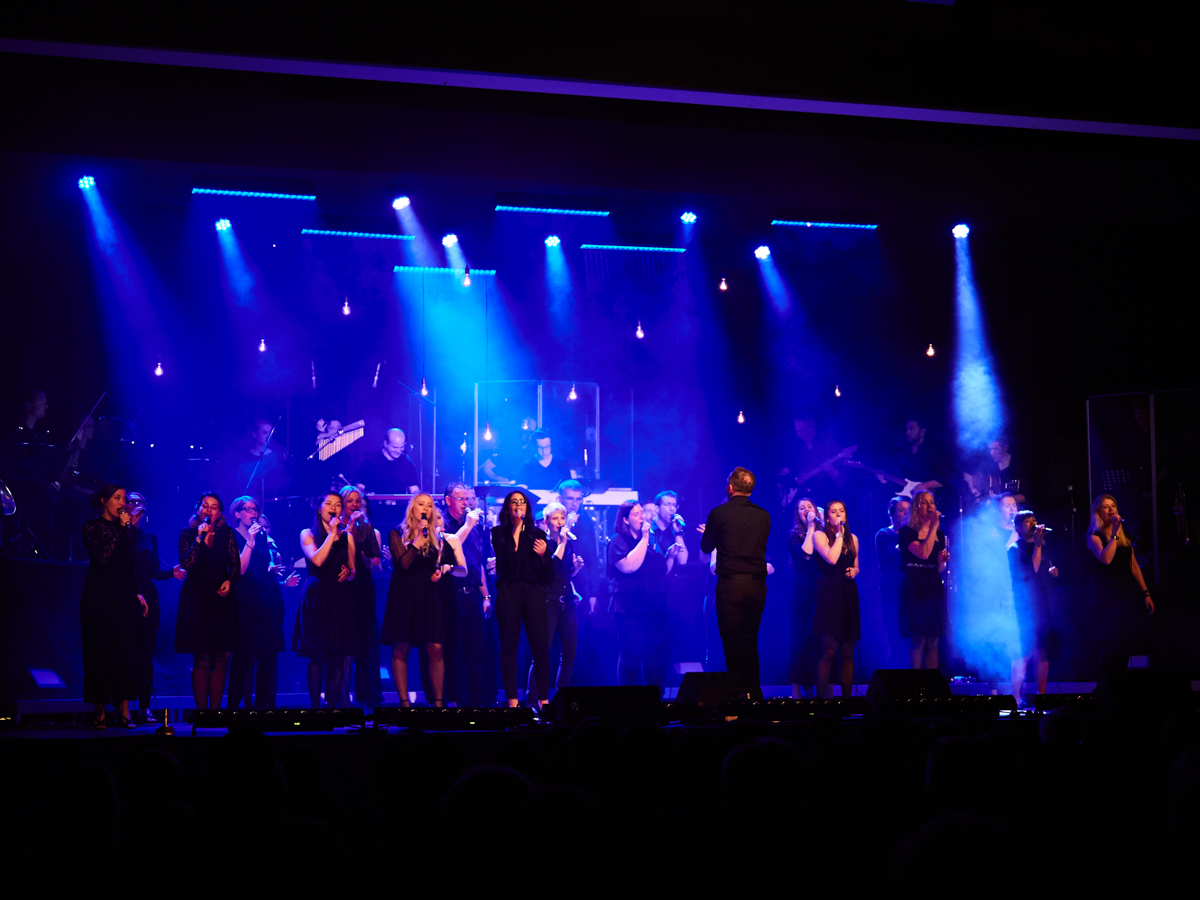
261, 459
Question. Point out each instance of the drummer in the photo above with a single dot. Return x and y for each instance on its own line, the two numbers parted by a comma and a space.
389, 470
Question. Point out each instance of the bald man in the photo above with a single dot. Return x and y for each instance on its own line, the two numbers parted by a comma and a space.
389, 471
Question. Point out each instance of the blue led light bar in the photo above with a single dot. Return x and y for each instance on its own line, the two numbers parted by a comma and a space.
224, 193
360, 234
442, 270
557, 212
618, 247
822, 224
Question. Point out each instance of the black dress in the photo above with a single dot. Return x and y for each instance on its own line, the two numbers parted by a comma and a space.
326, 621
804, 585
922, 593
147, 570
207, 622
1119, 606
108, 612
837, 612
1031, 597
414, 604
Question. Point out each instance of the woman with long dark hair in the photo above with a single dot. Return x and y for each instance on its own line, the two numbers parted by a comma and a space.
148, 569
923, 559
637, 577
326, 629
254, 670
206, 626
523, 573
801, 546
109, 608
837, 619
422, 555
1119, 590
368, 687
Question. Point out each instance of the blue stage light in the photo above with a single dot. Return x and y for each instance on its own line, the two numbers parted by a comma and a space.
400, 203
552, 241
558, 212
87, 182
357, 234
621, 247
442, 270
223, 225
805, 224
763, 252
265, 194
960, 231
450, 240
688, 218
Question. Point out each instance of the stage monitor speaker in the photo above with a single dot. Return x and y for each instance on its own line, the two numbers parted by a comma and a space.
715, 688
890, 685
622, 705
271, 720
1152, 691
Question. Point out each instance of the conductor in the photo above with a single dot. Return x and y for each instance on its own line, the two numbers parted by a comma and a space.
738, 530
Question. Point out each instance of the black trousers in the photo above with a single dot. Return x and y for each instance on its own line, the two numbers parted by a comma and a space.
643, 648
464, 684
562, 620
147, 635
740, 604
517, 604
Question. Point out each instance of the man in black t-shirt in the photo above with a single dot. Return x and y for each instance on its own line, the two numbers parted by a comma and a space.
543, 472
389, 471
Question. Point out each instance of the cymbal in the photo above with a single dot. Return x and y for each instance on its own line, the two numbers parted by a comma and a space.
7, 503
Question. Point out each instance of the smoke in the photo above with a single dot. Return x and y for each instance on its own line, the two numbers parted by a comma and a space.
983, 618
978, 405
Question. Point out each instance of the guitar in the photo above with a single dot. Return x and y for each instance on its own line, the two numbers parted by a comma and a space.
789, 485
906, 486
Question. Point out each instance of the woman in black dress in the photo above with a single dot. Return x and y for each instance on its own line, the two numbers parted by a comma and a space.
804, 585
254, 670
109, 608
147, 570
523, 573
637, 578
326, 629
421, 557
923, 559
562, 600
1031, 570
1119, 591
836, 619
368, 687
887, 559
206, 626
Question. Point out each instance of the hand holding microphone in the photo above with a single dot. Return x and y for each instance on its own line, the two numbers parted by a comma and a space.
572, 518
679, 524
124, 518
204, 529
425, 525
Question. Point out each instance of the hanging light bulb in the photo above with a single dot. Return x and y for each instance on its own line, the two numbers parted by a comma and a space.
487, 431
262, 346
741, 418
837, 391
467, 277
158, 368
930, 351
572, 395
463, 445
424, 388
346, 307
639, 334
723, 286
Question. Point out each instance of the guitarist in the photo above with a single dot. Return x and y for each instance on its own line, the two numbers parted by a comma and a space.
920, 461
811, 465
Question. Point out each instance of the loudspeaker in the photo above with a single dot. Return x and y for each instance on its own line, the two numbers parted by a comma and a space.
890, 685
714, 688
622, 705
1153, 691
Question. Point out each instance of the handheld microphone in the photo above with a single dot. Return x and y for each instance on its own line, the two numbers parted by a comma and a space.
208, 520
678, 520
338, 525
572, 518
424, 525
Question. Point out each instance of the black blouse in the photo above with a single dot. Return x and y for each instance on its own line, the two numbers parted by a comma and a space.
519, 563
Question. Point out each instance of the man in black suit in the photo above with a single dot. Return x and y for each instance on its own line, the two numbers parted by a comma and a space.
738, 531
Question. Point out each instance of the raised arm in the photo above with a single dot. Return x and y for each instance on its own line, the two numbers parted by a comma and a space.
634, 559
831, 553
314, 553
